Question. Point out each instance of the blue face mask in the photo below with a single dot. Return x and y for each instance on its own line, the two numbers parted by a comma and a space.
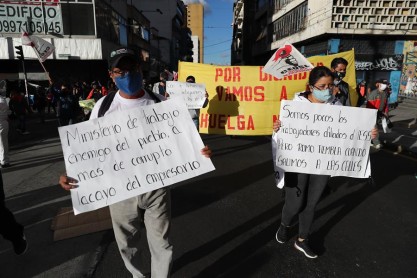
322, 95
130, 83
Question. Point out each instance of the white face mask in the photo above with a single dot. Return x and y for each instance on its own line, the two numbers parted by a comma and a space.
382, 86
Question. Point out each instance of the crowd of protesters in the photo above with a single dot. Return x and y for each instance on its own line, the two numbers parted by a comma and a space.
62, 100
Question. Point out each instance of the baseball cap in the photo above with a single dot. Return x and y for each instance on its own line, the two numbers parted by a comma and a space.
117, 54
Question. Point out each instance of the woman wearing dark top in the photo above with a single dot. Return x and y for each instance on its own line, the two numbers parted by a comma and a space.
303, 191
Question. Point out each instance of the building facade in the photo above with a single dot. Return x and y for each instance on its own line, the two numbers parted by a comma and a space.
174, 38
377, 30
196, 49
84, 32
195, 21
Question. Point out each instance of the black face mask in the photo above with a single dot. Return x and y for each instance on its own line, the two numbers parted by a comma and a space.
339, 75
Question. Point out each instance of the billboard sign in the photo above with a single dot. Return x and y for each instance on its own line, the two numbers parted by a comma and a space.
34, 17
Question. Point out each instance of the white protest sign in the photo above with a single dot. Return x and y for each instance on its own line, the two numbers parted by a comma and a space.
131, 152
194, 94
324, 139
287, 60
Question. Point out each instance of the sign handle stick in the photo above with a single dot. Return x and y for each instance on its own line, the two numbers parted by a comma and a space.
40, 61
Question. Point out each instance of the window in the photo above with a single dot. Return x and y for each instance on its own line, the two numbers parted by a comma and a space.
291, 23
108, 22
78, 19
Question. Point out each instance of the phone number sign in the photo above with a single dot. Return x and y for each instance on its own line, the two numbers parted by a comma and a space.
35, 17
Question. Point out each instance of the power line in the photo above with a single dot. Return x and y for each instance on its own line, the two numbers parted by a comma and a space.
216, 27
218, 43
228, 49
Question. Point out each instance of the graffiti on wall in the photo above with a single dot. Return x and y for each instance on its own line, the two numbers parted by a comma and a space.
384, 63
408, 85
408, 81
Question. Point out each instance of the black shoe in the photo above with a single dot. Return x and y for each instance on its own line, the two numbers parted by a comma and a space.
5, 165
305, 248
20, 245
282, 234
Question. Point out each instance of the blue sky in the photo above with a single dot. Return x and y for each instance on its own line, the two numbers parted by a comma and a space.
218, 15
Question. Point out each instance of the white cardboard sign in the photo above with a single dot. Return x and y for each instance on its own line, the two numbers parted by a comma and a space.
194, 94
324, 139
131, 152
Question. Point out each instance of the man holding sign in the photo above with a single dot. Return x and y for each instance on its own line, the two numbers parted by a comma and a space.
194, 95
195, 113
310, 145
126, 217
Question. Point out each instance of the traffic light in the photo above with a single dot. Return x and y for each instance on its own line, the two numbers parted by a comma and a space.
19, 52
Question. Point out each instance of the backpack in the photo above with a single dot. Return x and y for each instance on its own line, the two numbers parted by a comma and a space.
105, 105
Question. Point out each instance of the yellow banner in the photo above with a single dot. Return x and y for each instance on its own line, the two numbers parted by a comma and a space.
245, 101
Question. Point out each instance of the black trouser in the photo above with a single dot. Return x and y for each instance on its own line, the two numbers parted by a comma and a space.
302, 193
9, 228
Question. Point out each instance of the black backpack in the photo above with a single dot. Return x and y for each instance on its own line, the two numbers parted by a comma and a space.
105, 105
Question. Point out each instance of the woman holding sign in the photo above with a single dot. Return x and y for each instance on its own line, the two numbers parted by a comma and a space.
303, 191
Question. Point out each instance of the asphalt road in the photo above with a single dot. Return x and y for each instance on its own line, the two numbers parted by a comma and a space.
224, 222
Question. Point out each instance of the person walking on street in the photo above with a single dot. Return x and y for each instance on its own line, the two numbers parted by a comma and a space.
40, 103
341, 89
68, 108
51, 97
126, 215
303, 191
361, 91
19, 107
195, 113
377, 99
4, 132
97, 91
160, 87
10, 229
